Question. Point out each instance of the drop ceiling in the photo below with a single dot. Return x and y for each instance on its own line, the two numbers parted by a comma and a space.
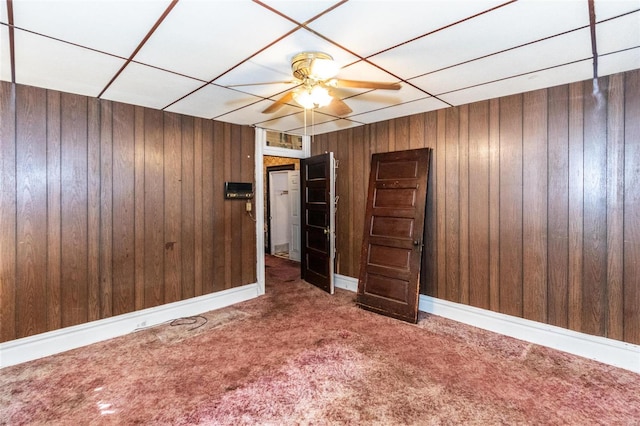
208, 58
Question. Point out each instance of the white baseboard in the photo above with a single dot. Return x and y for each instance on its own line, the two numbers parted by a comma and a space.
52, 342
607, 351
346, 283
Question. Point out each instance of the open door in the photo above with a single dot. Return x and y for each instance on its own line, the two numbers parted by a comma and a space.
394, 223
294, 215
317, 185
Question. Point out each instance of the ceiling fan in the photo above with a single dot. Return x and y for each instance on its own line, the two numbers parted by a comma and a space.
316, 71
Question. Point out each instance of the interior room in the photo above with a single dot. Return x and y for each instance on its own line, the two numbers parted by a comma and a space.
128, 127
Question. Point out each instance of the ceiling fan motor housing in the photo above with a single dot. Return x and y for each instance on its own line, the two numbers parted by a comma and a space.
301, 63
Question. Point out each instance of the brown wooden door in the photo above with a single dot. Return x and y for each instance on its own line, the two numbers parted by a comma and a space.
317, 183
394, 224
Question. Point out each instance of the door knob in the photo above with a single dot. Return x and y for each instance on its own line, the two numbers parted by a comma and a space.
417, 243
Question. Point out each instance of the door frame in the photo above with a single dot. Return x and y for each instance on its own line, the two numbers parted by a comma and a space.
267, 189
262, 149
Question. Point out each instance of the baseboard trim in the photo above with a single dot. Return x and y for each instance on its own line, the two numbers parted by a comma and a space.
607, 351
346, 283
52, 342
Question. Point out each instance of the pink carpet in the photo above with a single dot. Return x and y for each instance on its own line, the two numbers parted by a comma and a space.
301, 356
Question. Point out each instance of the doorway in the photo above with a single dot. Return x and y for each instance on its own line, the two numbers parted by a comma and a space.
281, 200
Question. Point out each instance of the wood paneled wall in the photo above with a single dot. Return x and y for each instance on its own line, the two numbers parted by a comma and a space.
107, 208
533, 207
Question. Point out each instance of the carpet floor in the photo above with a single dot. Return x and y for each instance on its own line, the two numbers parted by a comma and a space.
300, 356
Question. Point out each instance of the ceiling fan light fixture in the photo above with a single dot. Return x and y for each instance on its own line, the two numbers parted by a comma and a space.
312, 97
323, 69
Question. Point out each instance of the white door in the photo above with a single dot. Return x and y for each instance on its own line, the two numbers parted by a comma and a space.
280, 206
294, 215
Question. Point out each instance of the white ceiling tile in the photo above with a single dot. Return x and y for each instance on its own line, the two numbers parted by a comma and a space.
287, 117
547, 53
509, 26
204, 39
249, 76
5, 56
391, 23
62, 66
212, 101
150, 87
296, 122
3, 12
606, 9
329, 126
277, 59
301, 11
618, 34
619, 62
562, 75
377, 99
363, 70
401, 110
250, 114
113, 26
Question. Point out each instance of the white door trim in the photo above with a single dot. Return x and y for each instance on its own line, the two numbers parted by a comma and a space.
261, 149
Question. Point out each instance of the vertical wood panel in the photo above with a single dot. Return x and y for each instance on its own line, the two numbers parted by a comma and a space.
479, 204
172, 207
247, 166
441, 181
494, 204
402, 127
383, 143
558, 206
74, 209
106, 210
425, 130
464, 203
123, 203
31, 209
139, 206
153, 209
7, 211
631, 313
356, 204
615, 207
187, 223
54, 254
595, 211
391, 135
198, 213
234, 209
318, 144
534, 206
343, 217
211, 229
576, 184
93, 208
218, 206
511, 205
452, 204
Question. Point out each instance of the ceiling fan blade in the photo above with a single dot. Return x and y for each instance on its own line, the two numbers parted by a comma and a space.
338, 107
279, 103
367, 84
262, 84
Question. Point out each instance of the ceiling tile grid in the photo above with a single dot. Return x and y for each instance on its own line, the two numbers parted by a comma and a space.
163, 53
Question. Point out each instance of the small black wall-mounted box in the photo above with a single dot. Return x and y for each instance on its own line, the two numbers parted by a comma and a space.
238, 190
